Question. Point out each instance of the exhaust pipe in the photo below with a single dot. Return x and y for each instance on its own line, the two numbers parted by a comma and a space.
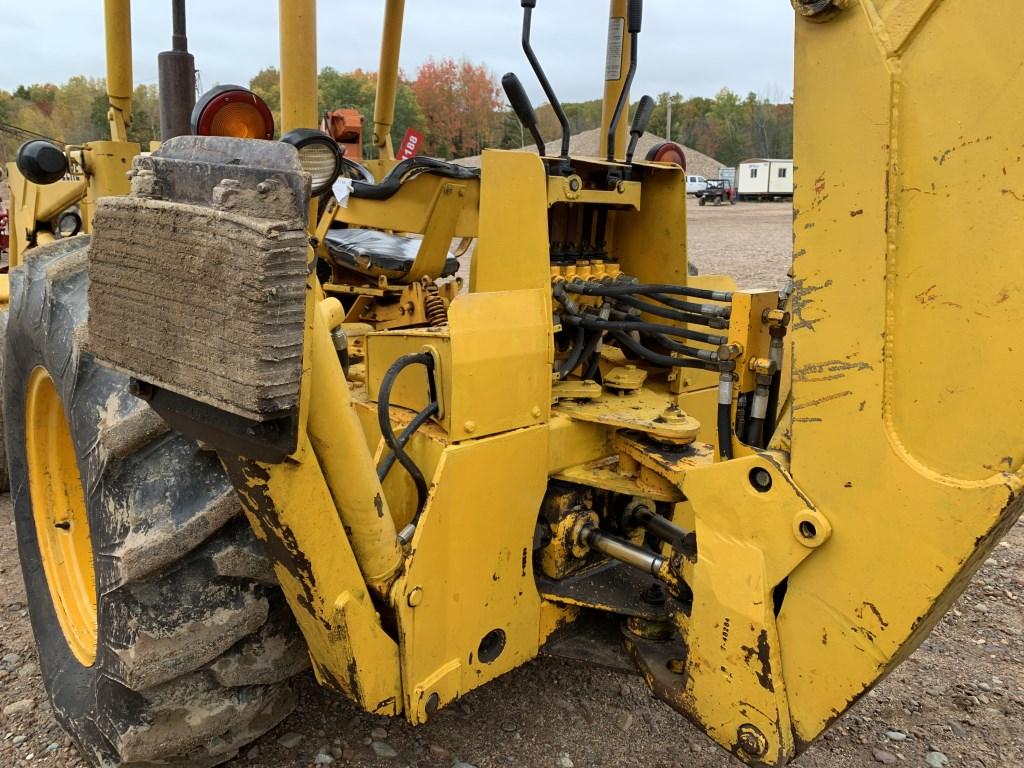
177, 69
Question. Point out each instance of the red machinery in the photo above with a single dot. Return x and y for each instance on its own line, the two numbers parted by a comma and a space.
346, 127
4, 236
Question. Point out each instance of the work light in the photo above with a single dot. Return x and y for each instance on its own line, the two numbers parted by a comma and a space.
230, 110
41, 161
668, 152
319, 154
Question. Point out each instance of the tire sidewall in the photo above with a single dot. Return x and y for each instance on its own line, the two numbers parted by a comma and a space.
43, 331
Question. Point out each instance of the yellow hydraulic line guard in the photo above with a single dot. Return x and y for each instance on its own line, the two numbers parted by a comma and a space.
298, 65
118, 20
619, 49
387, 79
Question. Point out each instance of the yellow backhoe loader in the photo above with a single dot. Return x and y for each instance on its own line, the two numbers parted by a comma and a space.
256, 423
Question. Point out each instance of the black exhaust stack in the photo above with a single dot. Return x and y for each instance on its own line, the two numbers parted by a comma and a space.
177, 69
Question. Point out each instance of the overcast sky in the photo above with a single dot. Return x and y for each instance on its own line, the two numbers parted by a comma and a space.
691, 46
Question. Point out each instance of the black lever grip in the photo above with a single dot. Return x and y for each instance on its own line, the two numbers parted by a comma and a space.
635, 16
521, 106
529, 3
644, 110
519, 100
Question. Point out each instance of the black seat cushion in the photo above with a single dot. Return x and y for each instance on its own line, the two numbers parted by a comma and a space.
374, 253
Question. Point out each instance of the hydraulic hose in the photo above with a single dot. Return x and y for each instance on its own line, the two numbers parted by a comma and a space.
571, 363
620, 289
407, 169
759, 412
707, 310
703, 338
682, 349
775, 355
725, 385
668, 314
384, 418
664, 361
650, 328
403, 439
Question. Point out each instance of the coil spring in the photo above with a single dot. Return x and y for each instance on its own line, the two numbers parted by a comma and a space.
434, 306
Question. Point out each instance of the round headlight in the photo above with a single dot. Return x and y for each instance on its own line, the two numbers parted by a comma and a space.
320, 156
41, 161
230, 110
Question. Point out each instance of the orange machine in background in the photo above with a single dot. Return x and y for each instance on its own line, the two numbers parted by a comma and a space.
346, 127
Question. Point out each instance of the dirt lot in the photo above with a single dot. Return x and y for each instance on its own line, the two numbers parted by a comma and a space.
959, 701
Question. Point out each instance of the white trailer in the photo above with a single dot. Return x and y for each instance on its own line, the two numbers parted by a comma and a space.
765, 180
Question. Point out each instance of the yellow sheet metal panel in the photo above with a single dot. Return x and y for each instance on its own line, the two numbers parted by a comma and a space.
410, 209
491, 339
651, 243
955, 224
513, 251
290, 508
907, 430
469, 613
731, 680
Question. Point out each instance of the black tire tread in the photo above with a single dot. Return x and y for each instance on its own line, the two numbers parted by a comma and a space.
197, 646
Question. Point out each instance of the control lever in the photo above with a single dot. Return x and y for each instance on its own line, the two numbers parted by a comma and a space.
641, 119
521, 106
528, 6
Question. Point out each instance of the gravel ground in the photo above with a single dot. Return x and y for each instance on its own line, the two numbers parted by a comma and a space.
959, 701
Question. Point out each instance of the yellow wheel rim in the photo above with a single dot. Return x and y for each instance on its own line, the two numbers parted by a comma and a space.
62, 524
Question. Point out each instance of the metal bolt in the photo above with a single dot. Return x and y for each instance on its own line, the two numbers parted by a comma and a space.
470, 426
761, 479
819, 10
654, 595
751, 740
415, 597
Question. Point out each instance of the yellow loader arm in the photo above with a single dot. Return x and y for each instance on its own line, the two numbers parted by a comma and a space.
906, 418
904, 428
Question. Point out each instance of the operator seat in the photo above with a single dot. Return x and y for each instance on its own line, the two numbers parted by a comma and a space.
374, 253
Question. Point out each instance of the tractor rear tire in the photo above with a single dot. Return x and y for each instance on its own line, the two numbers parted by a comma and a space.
5, 478
168, 642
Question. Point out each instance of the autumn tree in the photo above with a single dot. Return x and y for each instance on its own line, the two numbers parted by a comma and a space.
462, 106
345, 89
